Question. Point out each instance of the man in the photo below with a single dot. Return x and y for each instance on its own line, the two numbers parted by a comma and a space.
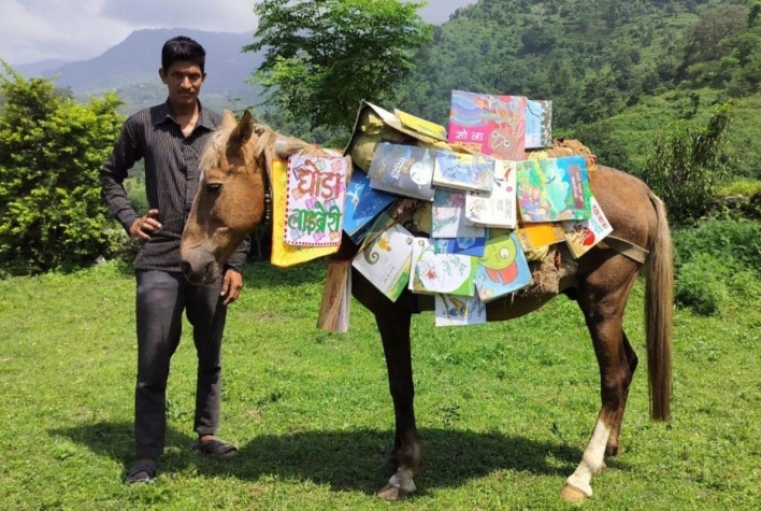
170, 138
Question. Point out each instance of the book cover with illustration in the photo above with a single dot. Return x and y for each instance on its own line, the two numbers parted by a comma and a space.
363, 203
403, 170
535, 236
503, 269
538, 124
553, 190
488, 124
496, 208
459, 310
464, 171
420, 125
336, 298
448, 216
582, 235
433, 273
386, 259
315, 197
284, 255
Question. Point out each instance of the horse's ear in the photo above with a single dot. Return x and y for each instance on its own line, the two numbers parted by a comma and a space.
228, 119
243, 131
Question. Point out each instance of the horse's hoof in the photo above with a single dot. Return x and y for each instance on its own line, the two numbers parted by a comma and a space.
572, 494
391, 492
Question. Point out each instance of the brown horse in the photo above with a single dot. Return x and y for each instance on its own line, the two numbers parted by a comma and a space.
231, 202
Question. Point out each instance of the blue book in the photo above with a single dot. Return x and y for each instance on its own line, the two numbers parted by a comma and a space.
503, 269
363, 203
463, 246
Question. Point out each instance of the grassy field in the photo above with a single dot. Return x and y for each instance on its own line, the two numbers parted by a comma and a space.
504, 410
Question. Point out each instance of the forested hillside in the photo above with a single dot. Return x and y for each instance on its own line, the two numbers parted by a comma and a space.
618, 71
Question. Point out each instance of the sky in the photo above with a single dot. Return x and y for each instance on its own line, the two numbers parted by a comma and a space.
35, 30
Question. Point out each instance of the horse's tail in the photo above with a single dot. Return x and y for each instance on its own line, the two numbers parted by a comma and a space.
659, 295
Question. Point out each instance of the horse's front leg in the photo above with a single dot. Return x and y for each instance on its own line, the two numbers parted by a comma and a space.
394, 326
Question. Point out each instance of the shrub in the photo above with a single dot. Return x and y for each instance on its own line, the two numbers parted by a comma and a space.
700, 285
51, 149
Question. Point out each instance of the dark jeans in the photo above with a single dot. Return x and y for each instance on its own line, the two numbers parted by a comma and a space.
161, 298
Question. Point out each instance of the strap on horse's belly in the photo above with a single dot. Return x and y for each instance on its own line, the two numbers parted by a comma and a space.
627, 248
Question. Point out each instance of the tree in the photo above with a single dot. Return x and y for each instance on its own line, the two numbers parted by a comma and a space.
689, 164
322, 57
51, 148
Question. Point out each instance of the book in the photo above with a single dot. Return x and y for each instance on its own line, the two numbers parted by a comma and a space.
535, 236
315, 200
503, 269
538, 124
496, 208
488, 124
448, 216
463, 171
403, 170
386, 260
463, 246
284, 255
363, 204
582, 235
552, 190
336, 298
459, 310
421, 125
441, 273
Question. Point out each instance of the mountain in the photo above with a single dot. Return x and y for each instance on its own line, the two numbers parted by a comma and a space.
131, 69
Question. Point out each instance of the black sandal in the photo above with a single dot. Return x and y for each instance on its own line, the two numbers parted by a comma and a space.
217, 448
142, 472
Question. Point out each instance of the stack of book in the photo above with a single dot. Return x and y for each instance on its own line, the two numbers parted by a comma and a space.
489, 204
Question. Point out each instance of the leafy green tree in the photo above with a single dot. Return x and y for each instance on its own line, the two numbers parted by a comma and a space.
322, 57
689, 164
51, 148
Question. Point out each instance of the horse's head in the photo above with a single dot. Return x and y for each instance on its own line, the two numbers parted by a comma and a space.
230, 201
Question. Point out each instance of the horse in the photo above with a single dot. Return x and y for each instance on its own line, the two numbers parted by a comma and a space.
230, 203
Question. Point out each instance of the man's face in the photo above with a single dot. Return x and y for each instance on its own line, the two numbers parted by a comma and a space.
183, 80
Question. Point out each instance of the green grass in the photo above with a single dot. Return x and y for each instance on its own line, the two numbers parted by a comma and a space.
504, 410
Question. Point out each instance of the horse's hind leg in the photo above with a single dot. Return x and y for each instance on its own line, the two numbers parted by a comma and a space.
603, 311
394, 326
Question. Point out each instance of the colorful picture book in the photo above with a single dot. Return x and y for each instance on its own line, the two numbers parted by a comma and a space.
488, 124
553, 190
498, 207
463, 246
386, 259
315, 200
459, 310
464, 171
363, 203
420, 125
441, 273
582, 235
535, 236
448, 216
284, 255
538, 124
403, 170
503, 269
336, 298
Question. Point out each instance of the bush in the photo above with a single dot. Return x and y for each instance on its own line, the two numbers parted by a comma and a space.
700, 285
51, 149
717, 260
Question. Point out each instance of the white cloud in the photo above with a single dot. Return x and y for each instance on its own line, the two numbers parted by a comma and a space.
33, 30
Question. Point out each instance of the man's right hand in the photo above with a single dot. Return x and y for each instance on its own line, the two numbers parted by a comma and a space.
145, 226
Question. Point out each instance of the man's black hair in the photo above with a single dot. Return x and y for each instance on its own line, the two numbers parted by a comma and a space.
182, 48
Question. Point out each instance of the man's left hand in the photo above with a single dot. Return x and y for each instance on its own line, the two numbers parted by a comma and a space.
232, 283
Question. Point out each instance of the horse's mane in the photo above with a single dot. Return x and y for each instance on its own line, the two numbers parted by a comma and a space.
268, 145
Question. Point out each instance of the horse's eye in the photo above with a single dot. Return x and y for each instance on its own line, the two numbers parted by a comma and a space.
213, 188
